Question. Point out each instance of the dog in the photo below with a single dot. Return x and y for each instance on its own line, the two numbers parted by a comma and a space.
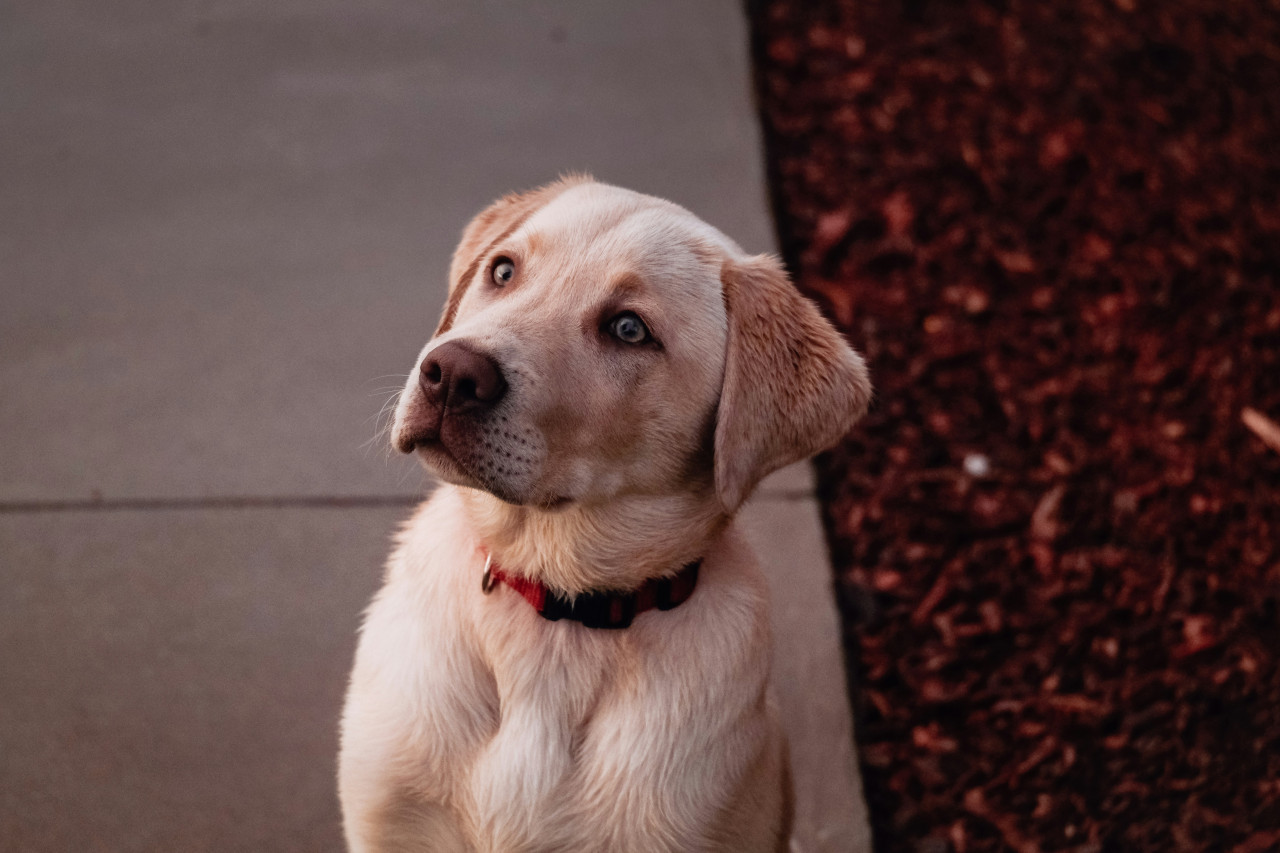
571, 648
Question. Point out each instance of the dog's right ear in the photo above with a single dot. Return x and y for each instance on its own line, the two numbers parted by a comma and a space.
492, 224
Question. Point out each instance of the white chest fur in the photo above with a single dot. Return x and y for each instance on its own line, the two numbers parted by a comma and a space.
473, 723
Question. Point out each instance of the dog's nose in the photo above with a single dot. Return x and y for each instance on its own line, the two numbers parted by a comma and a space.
457, 377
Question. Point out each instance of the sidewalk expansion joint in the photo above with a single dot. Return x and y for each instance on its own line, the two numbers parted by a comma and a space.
212, 502
265, 502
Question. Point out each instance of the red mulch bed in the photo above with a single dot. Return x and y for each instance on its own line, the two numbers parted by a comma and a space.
1054, 229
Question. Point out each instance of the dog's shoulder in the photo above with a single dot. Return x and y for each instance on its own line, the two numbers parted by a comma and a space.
419, 694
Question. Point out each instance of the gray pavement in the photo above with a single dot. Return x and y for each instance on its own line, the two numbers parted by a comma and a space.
224, 228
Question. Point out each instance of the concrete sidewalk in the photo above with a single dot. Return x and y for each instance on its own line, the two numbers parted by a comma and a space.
224, 229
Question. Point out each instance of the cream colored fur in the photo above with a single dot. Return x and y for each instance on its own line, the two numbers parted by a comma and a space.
473, 724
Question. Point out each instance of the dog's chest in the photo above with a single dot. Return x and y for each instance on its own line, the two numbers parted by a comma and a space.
534, 735
588, 720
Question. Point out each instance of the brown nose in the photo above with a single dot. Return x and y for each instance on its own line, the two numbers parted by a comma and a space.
457, 377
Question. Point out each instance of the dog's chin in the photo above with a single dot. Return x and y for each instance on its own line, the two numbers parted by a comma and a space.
446, 466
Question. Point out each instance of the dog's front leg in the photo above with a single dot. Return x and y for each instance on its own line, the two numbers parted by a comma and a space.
378, 817
386, 804
403, 826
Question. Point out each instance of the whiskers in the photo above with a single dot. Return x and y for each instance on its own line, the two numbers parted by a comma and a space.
385, 419
384, 422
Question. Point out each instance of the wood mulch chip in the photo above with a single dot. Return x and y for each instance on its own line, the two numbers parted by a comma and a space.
1054, 230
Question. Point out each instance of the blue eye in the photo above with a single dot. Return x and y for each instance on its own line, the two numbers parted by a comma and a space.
503, 272
629, 328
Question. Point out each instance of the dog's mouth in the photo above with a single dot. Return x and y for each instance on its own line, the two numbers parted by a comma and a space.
411, 442
421, 428
464, 448
465, 469
432, 431
458, 469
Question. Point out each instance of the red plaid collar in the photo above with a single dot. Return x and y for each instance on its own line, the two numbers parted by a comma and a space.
600, 609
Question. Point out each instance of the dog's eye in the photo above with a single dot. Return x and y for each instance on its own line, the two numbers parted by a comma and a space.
503, 272
629, 328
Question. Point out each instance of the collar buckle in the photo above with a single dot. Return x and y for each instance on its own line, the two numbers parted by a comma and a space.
487, 580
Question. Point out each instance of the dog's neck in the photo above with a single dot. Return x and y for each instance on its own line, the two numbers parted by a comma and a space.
616, 545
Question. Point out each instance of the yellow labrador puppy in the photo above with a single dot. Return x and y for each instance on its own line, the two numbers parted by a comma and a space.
571, 649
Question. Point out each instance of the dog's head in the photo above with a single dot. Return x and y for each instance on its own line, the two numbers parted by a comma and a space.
598, 343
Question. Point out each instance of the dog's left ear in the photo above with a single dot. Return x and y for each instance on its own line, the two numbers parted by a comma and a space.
792, 386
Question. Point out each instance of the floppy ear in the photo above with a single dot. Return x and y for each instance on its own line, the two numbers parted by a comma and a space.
792, 386
491, 225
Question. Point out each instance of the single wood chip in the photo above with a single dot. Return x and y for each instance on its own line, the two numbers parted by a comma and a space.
975, 802
1263, 427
